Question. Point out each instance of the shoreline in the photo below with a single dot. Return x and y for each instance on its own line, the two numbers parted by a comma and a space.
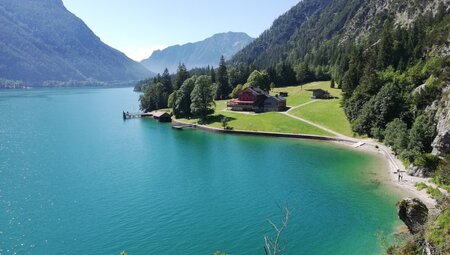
405, 187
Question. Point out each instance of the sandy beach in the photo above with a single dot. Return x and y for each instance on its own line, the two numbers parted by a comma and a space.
405, 186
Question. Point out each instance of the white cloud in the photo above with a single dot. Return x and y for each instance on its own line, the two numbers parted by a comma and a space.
139, 54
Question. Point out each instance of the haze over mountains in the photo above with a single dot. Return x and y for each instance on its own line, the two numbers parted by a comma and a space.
198, 54
42, 43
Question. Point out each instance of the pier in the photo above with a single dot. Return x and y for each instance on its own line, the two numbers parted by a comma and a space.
161, 116
129, 115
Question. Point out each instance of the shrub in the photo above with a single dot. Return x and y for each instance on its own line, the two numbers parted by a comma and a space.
420, 185
434, 193
428, 161
438, 232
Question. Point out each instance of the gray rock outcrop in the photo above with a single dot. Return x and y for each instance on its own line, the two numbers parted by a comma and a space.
417, 171
414, 213
441, 144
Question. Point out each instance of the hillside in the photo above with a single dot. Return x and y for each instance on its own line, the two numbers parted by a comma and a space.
42, 43
313, 30
199, 54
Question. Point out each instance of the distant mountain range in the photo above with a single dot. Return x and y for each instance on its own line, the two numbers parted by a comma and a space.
198, 54
42, 43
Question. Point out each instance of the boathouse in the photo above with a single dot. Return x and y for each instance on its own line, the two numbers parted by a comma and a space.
162, 116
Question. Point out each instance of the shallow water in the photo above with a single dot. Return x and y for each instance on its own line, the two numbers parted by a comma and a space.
77, 179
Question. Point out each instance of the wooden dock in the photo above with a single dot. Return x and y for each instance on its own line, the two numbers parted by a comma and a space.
129, 115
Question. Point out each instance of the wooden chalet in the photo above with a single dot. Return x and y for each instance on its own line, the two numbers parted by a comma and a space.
257, 100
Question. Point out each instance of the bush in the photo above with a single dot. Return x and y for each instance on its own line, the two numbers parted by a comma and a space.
442, 174
422, 134
409, 155
428, 161
396, 135
438, 232
434, 193
421, 185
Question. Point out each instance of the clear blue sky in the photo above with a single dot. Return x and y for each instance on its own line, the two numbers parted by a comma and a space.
137, 27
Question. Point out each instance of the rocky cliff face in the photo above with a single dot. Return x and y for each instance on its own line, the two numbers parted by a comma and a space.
414, 213
441, 144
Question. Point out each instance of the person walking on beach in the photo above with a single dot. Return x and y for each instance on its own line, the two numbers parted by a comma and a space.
399, 175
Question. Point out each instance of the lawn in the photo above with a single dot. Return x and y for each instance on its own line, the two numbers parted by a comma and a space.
269, 122
327, 113
221, 105
302, 94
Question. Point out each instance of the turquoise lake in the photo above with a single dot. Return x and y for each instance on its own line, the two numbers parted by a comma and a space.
75, 178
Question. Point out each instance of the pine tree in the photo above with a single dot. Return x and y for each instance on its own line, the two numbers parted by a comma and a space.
223, 86
181, 76
166, 80
212, 74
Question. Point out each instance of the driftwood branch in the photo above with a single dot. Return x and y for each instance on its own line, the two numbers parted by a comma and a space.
272, 246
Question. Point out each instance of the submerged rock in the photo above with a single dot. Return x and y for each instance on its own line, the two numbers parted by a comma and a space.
414, 213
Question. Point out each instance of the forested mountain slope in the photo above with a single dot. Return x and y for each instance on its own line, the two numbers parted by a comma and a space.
300, 34
42, 43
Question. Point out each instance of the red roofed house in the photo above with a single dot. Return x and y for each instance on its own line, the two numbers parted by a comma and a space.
257, 100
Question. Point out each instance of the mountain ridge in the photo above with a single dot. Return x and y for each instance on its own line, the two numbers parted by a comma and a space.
197, 54
45, 44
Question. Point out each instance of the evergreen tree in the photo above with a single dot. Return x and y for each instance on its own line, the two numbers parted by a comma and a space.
223, 86
181, 75
303, 73
286, 74
212, 74
385, 46
166, 81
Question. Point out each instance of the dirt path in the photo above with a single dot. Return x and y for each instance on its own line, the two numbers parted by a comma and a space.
320, 127
298, 106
